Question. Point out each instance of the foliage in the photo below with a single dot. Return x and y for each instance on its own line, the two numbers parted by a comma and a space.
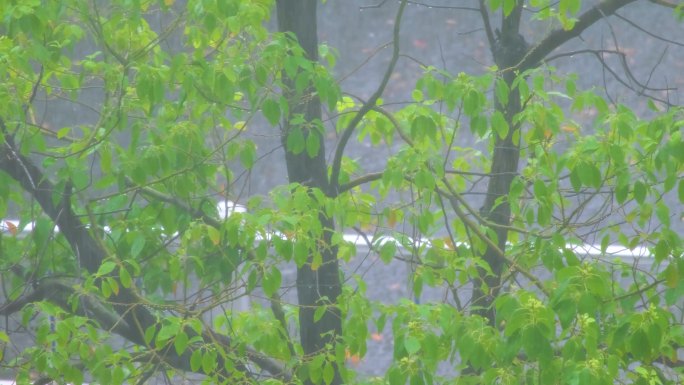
118, 234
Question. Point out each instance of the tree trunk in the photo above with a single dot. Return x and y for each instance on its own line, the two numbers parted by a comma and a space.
509, 49
319, 287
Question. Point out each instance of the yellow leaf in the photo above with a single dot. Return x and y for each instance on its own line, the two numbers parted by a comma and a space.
569, 128
214, 235
548, 134
671, 276
316, 261
392, 218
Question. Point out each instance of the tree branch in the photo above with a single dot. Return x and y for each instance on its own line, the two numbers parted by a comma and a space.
664, 3
478, 231
359, 181
349, 130
487, 25
60, 291
90, 254
649, 33
559, 36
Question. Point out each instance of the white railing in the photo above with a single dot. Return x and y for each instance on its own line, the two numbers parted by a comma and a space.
226, 208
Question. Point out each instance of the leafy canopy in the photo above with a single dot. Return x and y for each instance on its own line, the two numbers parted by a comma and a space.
168, 100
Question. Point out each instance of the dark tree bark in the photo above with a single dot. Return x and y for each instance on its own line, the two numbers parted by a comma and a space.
509, 47
513, 56
319, 287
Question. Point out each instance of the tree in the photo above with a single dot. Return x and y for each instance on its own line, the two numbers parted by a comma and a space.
125, 239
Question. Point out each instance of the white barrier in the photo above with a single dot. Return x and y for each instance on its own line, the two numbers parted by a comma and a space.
226, 208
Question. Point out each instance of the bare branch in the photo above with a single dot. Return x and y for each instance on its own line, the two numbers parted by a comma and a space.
364, 62
346, 134
422, 4
664, 3
630, 76
487, 25
436, 6
649, 33
359, 181
559, 36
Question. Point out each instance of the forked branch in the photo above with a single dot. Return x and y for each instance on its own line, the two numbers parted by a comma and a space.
370, 103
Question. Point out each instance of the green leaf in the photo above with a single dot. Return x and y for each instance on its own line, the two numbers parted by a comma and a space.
495, 4
271, 110
478, 125
423, 127
508, 6
663, 213
680, 191
106, 268
621, 192
575, 180
62, 132
587, 304
502, 91
671, 275
396, 376
418, 379
567, 311
471, 103
411, 344
181, 343
639, 192
589, 174
214, 235
417, 95
313, 145
544, 215
320, 311
499, 124
518, 321
387, 251
209, 361
640, 345
117, 375
662, 250
539, 189
424, 179
604, 243
149, 334
328, 372
112, 285
271, 281
574, 6
295, 140
315, 368
138, 245
196, 360
223, 87
167, 331
248, 154
536, 344
125, 278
